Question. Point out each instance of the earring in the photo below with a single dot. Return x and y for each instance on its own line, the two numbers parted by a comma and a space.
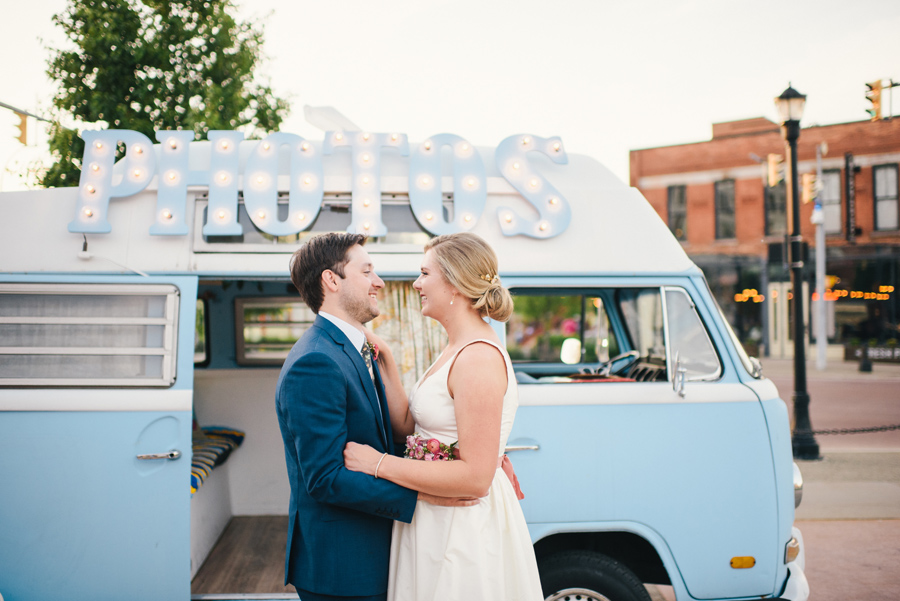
452, 299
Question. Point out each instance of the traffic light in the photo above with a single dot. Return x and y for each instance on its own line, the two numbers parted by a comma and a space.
873, 95
23, 127
808, 191
776, 169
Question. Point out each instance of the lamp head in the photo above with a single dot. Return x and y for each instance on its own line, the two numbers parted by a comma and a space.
790, 104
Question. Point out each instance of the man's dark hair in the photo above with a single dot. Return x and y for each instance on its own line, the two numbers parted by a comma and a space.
327, 251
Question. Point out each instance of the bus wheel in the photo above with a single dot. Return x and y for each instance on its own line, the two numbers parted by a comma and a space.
588, 576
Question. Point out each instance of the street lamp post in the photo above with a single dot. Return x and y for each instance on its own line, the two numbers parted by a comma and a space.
790, 106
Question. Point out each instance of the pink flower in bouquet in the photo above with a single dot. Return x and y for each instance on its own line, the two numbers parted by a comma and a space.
434, 446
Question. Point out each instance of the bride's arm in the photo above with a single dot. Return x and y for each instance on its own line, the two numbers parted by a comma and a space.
402, 422
477, 382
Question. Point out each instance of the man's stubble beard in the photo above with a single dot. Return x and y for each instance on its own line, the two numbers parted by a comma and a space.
357, 308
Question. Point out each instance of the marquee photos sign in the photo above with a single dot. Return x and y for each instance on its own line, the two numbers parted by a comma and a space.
259, 181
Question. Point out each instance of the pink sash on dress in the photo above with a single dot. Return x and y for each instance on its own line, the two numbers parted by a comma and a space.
504, 463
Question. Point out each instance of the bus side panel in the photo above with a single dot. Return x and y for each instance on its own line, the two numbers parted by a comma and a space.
698, 471
82, 518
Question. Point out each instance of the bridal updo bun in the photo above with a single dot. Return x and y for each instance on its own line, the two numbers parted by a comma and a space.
469, 264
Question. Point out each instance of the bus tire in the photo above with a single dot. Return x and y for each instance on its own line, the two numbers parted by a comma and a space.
588, 576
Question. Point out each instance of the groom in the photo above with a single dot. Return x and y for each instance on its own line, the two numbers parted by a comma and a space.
339, 523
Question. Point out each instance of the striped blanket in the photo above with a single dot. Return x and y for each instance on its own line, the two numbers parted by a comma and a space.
211, 447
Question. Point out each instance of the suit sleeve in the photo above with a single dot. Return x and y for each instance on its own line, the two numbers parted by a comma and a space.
316, 390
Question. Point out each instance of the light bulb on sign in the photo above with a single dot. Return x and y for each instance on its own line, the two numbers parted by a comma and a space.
366, 202
221, 215
167, 214
95, 167
544, 226
526, 141
224, 145
367, 226
261, 214
173, 143
98, 145
138, 150
88, 213
366, 137
300, 217
304, 147
429, 216
394, 137
468, 218
137, 172
266, 146
427, 145
90, 189
339, 136
508, 218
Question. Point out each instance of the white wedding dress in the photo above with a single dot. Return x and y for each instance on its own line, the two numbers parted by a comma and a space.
464, 553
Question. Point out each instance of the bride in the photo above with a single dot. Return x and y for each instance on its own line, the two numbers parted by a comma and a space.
458, 418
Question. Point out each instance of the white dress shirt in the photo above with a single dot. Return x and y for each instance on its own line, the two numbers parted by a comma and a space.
356, 336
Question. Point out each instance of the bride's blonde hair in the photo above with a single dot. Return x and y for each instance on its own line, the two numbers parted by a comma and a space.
469, 264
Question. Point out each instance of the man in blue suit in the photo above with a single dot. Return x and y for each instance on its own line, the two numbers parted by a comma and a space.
339, 526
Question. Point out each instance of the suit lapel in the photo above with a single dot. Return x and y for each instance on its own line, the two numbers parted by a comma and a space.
362, 373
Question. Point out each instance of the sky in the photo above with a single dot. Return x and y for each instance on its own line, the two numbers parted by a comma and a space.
605, 76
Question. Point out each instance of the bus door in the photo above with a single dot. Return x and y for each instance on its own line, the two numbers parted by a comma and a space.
95, 437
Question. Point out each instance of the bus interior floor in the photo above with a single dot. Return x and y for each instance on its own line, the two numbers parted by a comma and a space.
248, 558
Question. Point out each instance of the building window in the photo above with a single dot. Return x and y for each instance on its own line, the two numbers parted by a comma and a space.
776, 210
678, 211
725, 209
830, 197
886, 204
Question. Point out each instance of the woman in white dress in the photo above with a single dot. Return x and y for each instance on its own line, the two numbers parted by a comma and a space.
466, 402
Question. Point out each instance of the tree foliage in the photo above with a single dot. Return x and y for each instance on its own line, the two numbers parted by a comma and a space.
155, 64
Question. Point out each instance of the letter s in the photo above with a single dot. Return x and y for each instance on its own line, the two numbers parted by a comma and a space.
553, 210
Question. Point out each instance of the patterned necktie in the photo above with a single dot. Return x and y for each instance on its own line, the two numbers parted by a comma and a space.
367, 357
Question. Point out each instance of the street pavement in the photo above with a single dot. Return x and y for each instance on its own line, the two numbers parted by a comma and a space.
850, 512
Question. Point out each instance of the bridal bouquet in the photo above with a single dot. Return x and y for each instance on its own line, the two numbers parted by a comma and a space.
429, 449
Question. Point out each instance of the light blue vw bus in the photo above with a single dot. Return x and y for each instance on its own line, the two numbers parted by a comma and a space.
144, 316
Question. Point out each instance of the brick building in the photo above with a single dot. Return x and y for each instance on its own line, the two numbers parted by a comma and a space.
715, 197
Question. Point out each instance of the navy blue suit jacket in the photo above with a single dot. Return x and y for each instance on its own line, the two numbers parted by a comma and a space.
339, 523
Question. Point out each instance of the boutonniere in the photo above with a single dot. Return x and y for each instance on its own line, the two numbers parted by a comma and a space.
373, 350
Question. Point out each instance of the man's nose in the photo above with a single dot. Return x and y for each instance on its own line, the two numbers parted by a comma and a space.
378, 283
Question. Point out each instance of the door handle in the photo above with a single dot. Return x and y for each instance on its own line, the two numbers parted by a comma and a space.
173, 454
522, 447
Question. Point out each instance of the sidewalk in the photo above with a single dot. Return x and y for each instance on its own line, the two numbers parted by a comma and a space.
835, 369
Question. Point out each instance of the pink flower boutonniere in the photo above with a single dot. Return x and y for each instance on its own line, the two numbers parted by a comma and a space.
373, 349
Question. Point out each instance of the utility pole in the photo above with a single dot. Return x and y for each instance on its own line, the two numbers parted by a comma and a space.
818, 218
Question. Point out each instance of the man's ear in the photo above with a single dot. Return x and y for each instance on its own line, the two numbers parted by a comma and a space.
330, 280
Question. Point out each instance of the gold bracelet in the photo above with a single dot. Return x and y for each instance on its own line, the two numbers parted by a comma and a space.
377, 465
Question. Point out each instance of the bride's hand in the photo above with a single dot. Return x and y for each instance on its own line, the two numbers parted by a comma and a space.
361, 458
